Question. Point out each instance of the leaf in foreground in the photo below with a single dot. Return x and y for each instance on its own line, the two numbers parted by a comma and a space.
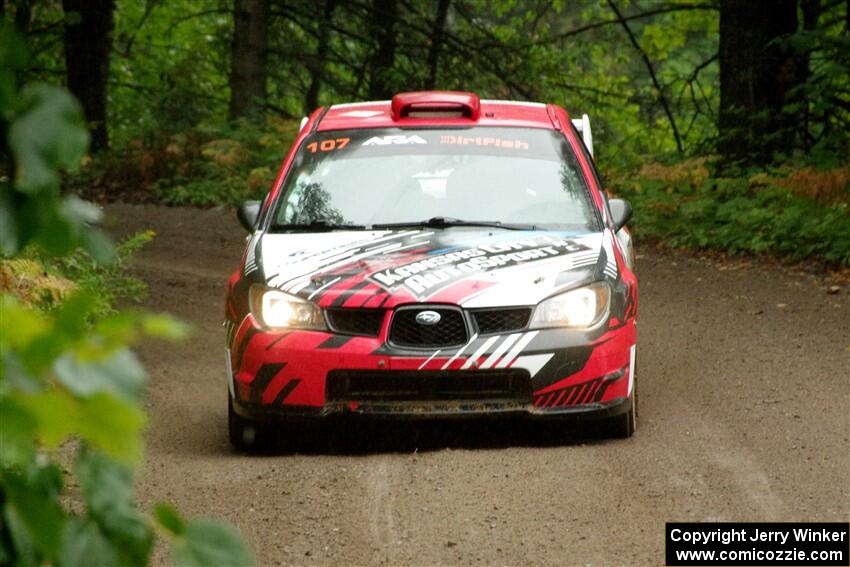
207, 542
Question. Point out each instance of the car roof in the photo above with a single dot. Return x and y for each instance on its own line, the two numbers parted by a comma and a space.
393, 113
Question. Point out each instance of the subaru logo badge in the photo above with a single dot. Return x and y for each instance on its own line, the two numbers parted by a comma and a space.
428, 317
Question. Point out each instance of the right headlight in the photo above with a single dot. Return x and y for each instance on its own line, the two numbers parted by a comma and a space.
578, 308
279, 310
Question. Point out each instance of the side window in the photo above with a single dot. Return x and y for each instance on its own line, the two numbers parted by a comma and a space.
289, 199
600, 181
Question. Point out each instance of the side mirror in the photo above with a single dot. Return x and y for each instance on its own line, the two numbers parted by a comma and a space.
621, 212
248, 213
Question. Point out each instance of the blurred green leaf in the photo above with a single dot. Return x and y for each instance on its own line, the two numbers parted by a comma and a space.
110, 424
163, 325
169, 519
119, 373
207, 542
17, 433
32, 506
85, 544
108, 490
49, 135
19, 326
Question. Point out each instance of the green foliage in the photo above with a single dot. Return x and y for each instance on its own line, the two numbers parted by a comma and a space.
46, 134
109, 281
199, 543
229, 164
756, 212
69, 382
44, 281
203, 166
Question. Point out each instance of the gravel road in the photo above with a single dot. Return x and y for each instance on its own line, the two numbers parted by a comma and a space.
744, 416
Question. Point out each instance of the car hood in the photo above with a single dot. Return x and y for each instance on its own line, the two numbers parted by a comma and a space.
462, 266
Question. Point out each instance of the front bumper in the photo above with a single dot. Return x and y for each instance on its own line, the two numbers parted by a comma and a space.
427, 410
556, 372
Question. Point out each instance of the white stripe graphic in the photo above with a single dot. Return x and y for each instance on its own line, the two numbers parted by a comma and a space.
585, 256
333, 281
631, 370
474, 358
350, 248
430, 358
301, 285
533, 362
357, 104
460, 350
331, 263
279, 281
515, 103
518, 348
500, 350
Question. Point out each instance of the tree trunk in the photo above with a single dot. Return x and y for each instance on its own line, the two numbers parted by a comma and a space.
436, 43
311, 99
757, 75
248, 58
88, 40
23, 16
383, 30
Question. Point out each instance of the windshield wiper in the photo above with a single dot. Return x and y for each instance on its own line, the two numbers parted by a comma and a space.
448, 222
315, 226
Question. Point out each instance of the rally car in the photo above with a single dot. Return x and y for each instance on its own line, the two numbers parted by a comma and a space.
434, 255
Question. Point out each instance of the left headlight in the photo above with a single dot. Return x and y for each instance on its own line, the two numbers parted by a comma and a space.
578, 308
276, 309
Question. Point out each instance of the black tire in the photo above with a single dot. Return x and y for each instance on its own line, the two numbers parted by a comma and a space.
621, 426
244, 434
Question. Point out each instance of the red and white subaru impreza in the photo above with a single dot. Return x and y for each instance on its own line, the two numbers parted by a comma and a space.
434, 255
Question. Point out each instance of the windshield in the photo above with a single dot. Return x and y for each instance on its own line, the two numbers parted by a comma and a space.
386, 176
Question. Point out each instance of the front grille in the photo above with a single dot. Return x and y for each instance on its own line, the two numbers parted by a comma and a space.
408, 386
356, 321
501, 320
405, 331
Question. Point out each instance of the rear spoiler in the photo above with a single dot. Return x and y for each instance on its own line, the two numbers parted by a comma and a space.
583, 126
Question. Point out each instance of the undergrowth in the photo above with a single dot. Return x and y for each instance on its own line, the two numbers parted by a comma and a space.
202, 166
44, 282
799, 212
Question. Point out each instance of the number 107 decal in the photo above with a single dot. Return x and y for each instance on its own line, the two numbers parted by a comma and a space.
328, 145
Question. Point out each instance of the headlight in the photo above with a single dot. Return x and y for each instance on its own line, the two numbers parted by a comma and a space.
582, 307
274, 308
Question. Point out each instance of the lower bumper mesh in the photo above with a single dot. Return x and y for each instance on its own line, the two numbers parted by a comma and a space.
392, 386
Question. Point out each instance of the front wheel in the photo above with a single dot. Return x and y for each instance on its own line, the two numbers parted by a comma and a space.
243, 433
622, 426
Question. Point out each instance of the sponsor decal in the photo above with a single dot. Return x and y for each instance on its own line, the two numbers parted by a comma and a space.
393, 140
483, 141
425, 276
